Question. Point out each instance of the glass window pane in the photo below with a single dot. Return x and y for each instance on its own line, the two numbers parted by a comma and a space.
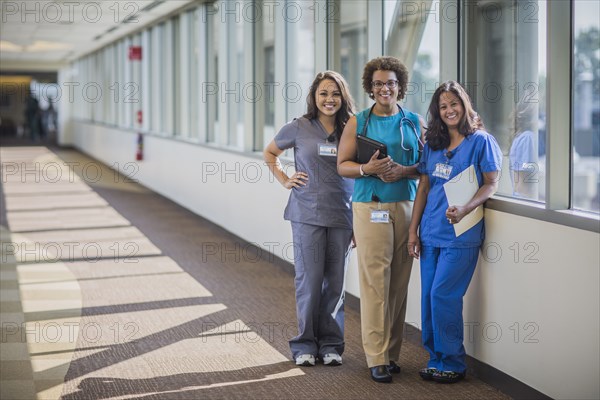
236, 129
211, 97
505, 70
421, 55
157, 73
169, 65
353, 48
300, 64
134, 95
586, 106
175, 83
268, 52
194, 74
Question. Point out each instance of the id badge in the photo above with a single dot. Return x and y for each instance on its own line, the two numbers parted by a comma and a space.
380, 217
442, 171
327, 149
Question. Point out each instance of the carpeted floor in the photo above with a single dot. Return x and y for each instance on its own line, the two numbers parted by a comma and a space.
110, 290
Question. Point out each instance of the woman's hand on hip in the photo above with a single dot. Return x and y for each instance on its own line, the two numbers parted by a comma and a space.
297, 180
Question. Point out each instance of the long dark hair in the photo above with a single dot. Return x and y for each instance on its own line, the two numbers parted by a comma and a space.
437, 134
346, 110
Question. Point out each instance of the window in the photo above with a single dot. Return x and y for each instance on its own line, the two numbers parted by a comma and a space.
210, 92
233, 88
117, 85
420, 54
504, 71
197, 72
586, 106
156, 71
300, 29
146, 86
176, 78
353, 48
265, 75
167, 78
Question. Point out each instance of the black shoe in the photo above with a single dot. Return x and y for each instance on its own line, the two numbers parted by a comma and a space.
427, 373
393, 368
380, 373
447, 376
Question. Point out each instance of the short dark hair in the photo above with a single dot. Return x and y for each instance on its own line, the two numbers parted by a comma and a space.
437, 134
385, 64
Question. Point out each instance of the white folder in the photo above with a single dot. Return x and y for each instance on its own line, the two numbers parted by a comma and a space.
459, 191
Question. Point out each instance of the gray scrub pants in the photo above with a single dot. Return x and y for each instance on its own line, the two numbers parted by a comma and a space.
320, 260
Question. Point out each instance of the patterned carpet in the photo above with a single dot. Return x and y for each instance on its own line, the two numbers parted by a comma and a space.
111, 291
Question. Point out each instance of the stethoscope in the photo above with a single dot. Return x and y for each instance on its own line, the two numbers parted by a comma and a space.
402, 120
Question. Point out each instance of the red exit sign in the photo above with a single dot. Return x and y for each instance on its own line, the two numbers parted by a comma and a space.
135, 52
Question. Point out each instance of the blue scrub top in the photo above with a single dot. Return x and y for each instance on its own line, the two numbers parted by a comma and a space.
480, 150
388, 130
327, 198
523, 157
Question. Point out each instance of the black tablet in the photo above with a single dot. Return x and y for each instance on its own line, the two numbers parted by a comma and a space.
366, 147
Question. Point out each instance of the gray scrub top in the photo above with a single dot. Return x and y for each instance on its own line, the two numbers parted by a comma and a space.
326, 200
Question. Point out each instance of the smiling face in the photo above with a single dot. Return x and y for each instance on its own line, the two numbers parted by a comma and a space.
385, 96
451, 110
328, 98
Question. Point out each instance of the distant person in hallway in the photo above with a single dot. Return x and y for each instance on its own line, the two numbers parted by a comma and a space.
456, 141
382, 204
523, 153
33, 116
49, 121
321, 217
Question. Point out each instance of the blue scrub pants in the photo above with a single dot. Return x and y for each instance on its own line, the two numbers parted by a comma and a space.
445, 277
320, 259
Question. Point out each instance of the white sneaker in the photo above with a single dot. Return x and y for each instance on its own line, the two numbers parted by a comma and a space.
332, 359
305, 360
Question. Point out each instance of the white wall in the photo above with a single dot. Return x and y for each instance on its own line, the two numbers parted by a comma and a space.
65, 108
537, 321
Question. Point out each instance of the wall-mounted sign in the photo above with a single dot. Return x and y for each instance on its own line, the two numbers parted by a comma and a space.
135, 52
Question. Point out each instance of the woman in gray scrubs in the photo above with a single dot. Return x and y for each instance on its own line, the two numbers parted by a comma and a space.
319, 209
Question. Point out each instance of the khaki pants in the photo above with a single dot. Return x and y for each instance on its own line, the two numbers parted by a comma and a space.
384, 271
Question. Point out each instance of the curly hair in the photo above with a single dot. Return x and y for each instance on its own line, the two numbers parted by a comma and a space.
346, 110
437, 134
385, 64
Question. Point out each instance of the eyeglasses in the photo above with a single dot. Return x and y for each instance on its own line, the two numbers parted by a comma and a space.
391, 84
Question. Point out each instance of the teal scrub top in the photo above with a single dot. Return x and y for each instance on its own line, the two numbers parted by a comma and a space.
396, 132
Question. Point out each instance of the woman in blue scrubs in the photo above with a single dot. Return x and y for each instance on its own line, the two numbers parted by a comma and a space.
321, 217
456, 140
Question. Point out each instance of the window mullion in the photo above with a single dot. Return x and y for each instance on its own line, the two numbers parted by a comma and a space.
558, 149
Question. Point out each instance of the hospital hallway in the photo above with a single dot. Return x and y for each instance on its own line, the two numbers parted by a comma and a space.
112, 291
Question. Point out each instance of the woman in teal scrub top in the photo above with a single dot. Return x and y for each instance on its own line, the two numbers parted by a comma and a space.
382, 204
